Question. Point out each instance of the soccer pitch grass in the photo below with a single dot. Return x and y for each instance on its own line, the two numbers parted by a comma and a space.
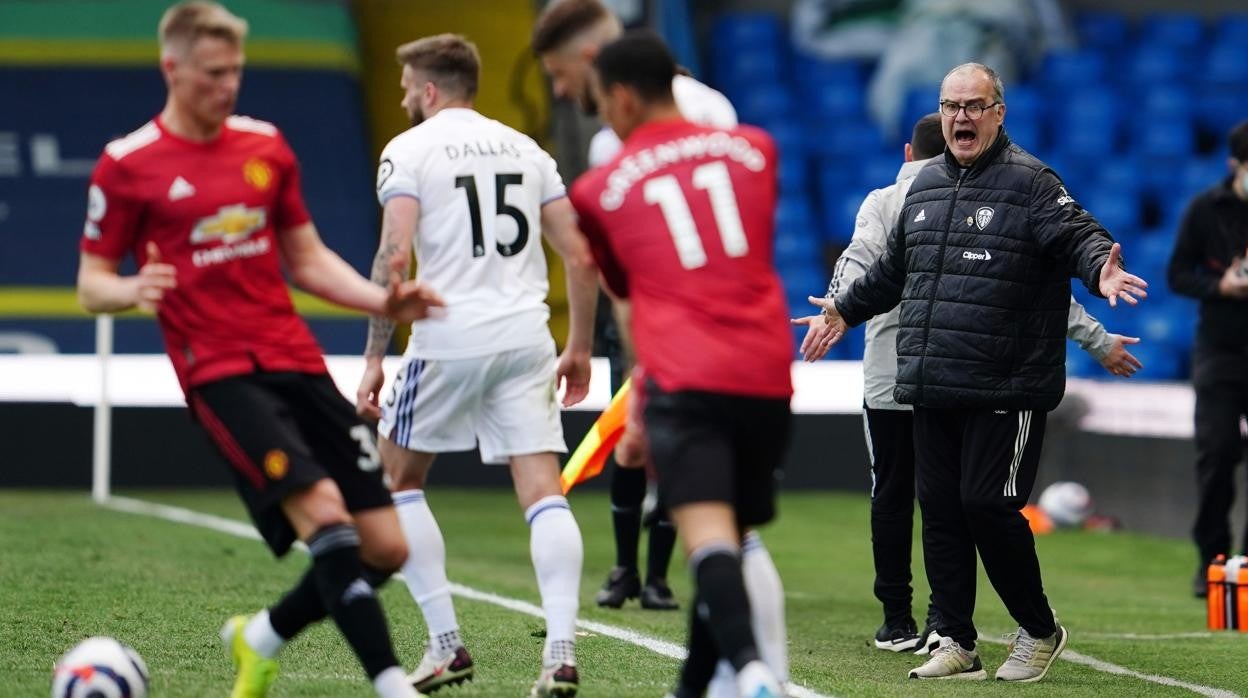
70, 569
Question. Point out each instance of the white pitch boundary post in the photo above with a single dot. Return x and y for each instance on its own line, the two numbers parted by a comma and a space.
102, 441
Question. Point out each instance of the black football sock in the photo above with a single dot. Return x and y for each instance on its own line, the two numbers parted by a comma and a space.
302, 605
350, 599
659, 552
628, 489
699, 666
299, 608
722, 589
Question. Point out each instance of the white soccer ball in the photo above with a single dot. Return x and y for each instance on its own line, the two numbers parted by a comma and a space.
1066, 503
100, 667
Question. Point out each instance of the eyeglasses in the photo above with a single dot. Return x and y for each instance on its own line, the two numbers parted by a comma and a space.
973, 111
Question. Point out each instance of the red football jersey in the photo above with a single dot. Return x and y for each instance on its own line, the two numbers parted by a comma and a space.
214, 210
681, 223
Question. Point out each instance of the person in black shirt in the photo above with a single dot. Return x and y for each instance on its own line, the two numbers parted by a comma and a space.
1208, 264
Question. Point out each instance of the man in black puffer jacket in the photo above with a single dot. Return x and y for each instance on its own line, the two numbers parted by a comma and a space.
980, 261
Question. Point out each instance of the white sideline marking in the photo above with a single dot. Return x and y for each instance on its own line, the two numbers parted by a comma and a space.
1108, 668
1148, 636
245, 530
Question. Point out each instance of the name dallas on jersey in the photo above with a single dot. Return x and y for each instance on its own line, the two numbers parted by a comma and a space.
467, 150
636, 167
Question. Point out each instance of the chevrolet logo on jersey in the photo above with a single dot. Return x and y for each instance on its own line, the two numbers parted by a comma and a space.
231, 223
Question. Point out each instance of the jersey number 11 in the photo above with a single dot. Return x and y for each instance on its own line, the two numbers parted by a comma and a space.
713, 178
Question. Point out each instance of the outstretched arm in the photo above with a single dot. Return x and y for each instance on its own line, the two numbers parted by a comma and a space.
1109, 349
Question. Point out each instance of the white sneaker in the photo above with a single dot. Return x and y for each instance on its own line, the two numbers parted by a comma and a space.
436, 672
1030, 657
951, 661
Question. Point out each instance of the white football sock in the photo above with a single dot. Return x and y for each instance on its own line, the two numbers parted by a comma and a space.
766, 591
556, 548
392, 683
762, 583
261, 637
425, 570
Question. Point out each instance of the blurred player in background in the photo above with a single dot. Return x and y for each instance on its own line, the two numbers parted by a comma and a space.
1208, 264
209, 205
682, 214
472, 196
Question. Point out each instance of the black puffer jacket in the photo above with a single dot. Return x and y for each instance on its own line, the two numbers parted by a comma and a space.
981, 261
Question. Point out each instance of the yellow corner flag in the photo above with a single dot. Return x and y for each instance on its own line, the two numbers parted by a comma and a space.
588, 458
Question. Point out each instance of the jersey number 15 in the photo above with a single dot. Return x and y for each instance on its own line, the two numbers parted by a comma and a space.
501, 208
714, 179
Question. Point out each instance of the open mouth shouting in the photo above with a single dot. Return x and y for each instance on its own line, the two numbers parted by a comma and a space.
965, 138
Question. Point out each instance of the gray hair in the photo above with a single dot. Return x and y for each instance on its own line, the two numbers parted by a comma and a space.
998, 87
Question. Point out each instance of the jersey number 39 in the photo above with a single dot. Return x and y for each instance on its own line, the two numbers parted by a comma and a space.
712, 178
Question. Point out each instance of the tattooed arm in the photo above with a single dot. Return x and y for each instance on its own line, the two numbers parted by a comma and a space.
394, 254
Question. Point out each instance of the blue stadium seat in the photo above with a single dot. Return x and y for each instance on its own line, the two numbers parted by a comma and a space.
879, 170
1086, 122
1149, 256
1102, 31
1062, 69
1220, 108
1225, 64
746, 70
796, 241
920, 101
800, 281
1171, 321
1168, 141
789, 136
839, 215
735, 31
1165, 102
764, 103
1025, 102
1156, 63
794, 174
812, 72
1027, 133
1118, 212
834, 101
1230, 29
846, 140
1120, 174
1178, 30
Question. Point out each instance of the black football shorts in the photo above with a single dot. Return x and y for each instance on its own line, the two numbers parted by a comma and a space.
281, 432
716, 447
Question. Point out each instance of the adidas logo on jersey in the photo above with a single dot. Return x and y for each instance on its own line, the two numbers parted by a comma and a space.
921, 217
180, 189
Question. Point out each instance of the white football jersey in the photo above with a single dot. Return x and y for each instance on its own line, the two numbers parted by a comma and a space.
696, 101
481, 187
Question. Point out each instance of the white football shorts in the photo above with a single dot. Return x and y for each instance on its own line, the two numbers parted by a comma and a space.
504, 403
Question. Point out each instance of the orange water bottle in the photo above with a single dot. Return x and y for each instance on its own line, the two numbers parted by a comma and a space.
1216, 599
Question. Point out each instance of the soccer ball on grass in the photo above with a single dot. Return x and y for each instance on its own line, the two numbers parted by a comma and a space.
1066, 503
100, 667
